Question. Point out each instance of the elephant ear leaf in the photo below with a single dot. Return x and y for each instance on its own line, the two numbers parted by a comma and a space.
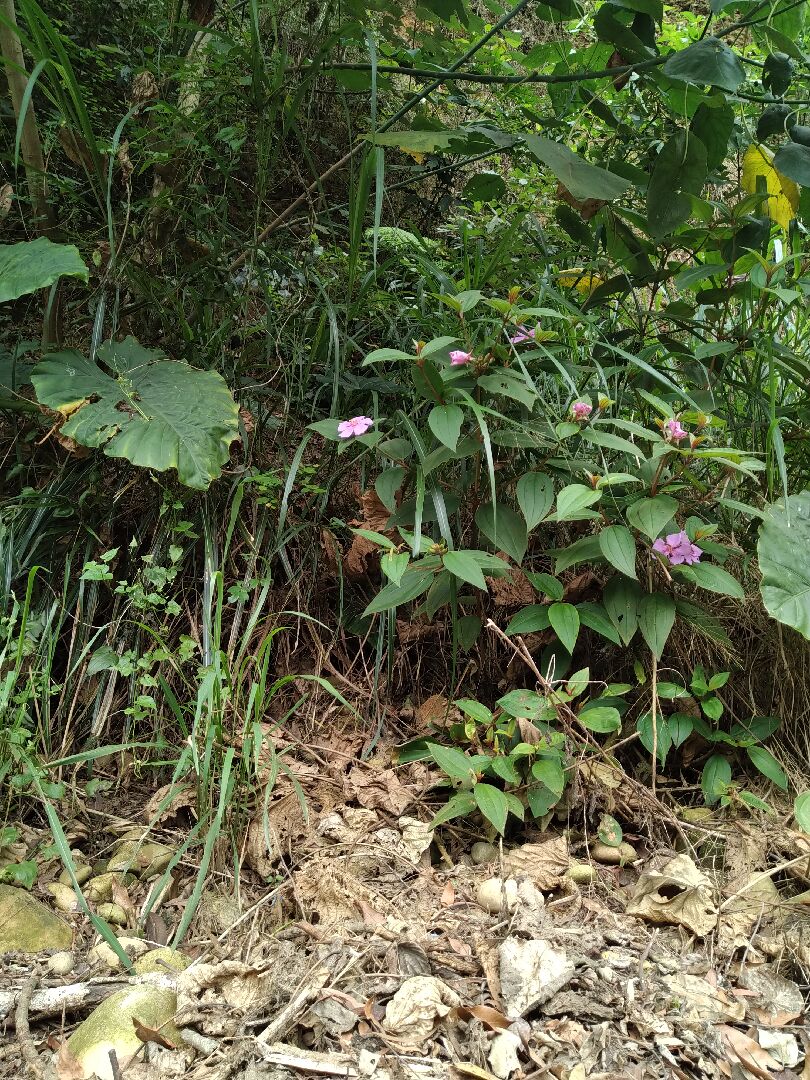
155, 412
36, 264
784, 561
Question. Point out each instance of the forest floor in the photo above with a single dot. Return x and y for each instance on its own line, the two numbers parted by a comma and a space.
361, 943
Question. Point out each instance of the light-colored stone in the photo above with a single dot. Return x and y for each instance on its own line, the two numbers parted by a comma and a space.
110, 1027
614, 856
495, 895
112, 913
482, 853
531, 972
157, 960
27, 925
64, 897
99, 888
147, 860
102, 953
582, 873
61, 963
83, 874
503, 1054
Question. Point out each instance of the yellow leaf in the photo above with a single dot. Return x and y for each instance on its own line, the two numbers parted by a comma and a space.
580, 280
418, 157
783, 194
70, 407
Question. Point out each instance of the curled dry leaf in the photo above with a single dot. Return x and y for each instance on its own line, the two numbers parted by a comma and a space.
677, 894
413, 1012
545, 864
747, 1051
378, 790
489, 1017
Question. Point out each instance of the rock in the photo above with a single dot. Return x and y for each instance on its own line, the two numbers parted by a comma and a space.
531, 972
112, 913
99, 888
780, 1045
147, 860
495, 895
110, 1027
63, 897
83, 874
27, 925
677, 894
582, 873
614, 856
224, 911
482, 853
503, 1054
157, 960
415, 1009
103, 953
61, 963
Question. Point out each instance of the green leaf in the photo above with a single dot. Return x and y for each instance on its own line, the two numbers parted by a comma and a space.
777, 73
445, 422
394, 564
467, 629
378, 356
484, 187
493, 804
460, 805
415, 581
715, 778
801, 811
523, 703
36, 264
157, 413
508, 385
540, 799
595, 618
584, 550
650, 516
793, 161
596, 437
475, 710
506, 530
712, 578
529, 620
706, 61
387, 484
546, 584
601, 718
549, 771
462, 565
535, 495
564, 619
713, 123
680, 171
767, 764
622, 598
783, 552
619, 548
452, 762
609, 831
669, 691
504, 768
583, 180
661, 737
656, 614
680, 728
574, 498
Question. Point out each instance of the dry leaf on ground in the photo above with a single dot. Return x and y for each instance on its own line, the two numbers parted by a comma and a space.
416, 1008
545, 863
677, 894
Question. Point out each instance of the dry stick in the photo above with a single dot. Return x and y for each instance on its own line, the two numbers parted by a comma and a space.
417, 99
34, 1063
291, 1013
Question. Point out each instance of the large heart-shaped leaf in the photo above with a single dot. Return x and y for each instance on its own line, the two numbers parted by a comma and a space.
36, 264
707, 61
784, 561
155, 412
583, 180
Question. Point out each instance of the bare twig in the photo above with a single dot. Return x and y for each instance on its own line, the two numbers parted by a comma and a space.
291, 1013
35, 1065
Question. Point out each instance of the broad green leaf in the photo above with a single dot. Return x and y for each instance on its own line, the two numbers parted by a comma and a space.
713, 123
658, 736
564, 619
622, 597
650, 516
415, 581
535, 495
467, 629
462, 565
584, 550
801, 811
601, 718
461, 804
679, 172
529, 620
453, 762
596, 437
493, 804
715, 778
767, 764
394, 564
712, 578
609, 831
387, 484
523, 703
619, 548
36, 264
154, 412
708, 61
757, 729
792, 160
484, 187
680, 728
656, 614
504, 768
583, 180
574, 498
445, 422
546, 584
376, 538
549, 771
595, 618
379, 356
474, 709
508, 385
783, 551
540, 799
505, 529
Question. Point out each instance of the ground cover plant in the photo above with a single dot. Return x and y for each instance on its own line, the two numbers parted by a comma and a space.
410, 396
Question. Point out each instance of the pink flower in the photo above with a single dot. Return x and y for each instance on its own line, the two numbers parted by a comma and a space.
674, 431
581, 410
358, 425
458, 357
522, 335
678, 548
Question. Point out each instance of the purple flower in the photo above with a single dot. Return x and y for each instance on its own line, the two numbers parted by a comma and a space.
522, 335
458, 357
581, 410
358, 425
674, 431
678, 549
